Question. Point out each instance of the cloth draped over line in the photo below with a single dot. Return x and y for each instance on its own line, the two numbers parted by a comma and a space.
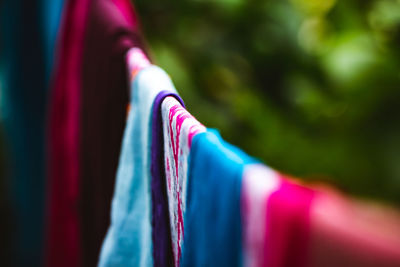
179, 128
64, 231
89, 99
129, 238
290, 224
213, 232
234, 212
162, 246
259, 182
182, 195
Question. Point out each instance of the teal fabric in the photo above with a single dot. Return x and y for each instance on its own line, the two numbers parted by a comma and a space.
129, 241
213, 234
52, 11
24, 87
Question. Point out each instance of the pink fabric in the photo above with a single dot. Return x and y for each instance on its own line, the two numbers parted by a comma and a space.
346, 232
276, 219
259, 182
126, 9
179, 127
136, 60
63, 246
288, 226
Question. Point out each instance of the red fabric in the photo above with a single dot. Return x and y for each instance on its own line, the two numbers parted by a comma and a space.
87, 117
288, 226
63, 244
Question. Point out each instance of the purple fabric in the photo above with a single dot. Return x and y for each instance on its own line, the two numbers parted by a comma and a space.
162, 249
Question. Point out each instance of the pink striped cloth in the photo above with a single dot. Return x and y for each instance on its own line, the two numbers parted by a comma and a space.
179, 127
288, 224
259, 182
276, 216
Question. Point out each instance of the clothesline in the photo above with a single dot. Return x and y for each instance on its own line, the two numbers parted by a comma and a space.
249, 212
150, 185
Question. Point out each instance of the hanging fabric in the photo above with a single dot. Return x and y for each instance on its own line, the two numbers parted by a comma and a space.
179, 128
111, 31
213, 231
129, 237
27, 45
259, 182
162, 245
64, 231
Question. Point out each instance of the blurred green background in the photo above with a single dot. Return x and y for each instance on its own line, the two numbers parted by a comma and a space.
312, 88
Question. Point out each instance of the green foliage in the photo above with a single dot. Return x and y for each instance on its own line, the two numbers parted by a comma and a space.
310, 87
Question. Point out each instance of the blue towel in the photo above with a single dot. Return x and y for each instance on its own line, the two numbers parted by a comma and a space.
129, 238
213, 233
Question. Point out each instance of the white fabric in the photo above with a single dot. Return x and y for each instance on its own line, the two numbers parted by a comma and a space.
259, 182
179, 127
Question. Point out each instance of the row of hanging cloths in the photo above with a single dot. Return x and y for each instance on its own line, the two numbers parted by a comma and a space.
64, 119
182, 195
87, 118
185, 197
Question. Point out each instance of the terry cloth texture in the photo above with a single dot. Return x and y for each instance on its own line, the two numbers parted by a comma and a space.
213, 231
162, 247
179, 128
129, 238
112, 30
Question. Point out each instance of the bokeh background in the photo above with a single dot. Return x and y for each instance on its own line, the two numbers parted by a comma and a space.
310, 87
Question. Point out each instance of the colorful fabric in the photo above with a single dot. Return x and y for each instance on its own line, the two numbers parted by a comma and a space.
137, 61
25, 59
212, 221
179, 129
52, 10
129, 239
111, 31
288, 225
162, 247
276, 217
63, 247
259, 182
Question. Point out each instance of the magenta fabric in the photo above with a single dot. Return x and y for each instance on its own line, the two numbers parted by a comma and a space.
288, 226
87, 118
112, 30
63, 246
